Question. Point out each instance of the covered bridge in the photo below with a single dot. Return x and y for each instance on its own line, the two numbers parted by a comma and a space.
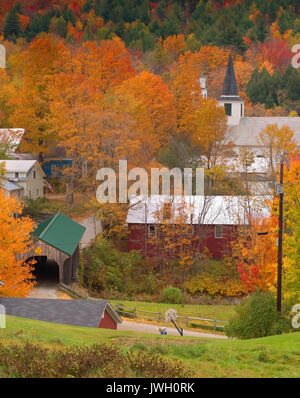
58, 238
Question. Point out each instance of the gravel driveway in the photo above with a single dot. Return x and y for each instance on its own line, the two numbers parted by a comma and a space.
146, 328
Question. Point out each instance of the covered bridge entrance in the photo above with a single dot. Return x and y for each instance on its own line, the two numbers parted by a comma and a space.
58, 238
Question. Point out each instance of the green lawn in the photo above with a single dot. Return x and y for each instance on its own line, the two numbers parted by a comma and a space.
221, 312
275, 356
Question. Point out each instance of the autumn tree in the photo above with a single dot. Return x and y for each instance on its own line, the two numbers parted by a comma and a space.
291, 269
184, 78
15, 238
33, 69
175, 234
81, 115
276, 141
150, 105
207, 126
257, 254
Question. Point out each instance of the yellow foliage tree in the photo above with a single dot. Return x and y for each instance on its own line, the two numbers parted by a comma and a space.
14, 239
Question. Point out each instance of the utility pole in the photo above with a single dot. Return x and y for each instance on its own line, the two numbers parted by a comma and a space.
280, 235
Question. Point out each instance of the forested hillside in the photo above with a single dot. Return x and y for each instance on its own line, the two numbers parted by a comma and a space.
165, 36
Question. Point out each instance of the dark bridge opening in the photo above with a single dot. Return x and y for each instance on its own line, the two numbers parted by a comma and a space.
45, 271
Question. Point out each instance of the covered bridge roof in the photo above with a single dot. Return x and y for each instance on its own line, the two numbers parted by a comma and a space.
61, 232
68, 312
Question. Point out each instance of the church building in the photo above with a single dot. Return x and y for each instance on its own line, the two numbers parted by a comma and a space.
243, 131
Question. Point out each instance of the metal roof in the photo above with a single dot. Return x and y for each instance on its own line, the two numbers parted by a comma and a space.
61, 232
247, 132
259, 165
10, 186
204, 210
21, 166
68, 312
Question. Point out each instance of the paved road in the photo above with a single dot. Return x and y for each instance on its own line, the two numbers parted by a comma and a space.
146, 328
93, 229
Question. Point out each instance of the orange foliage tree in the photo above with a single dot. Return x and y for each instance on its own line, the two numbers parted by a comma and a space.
14, 239
207, 126
257, 254
33, 69
150, 105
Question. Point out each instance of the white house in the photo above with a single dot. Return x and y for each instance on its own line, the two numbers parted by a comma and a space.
26, 174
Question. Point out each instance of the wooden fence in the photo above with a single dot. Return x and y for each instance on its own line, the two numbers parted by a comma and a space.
209, 323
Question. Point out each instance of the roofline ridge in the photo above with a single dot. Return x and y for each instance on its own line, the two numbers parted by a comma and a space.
49, 225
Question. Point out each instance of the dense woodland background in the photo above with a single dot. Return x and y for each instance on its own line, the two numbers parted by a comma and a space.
159, 33
107, 80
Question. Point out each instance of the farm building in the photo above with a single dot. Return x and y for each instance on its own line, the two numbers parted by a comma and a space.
214, 221
28, 174
93, 314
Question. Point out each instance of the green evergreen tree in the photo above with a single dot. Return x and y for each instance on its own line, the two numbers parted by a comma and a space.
261, 28
40, 23
87, 7
291, 78
285, 22
12, 27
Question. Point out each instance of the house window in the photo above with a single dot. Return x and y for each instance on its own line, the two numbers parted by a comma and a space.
228, 109
151, 231
218, 232
34, 173
16, 175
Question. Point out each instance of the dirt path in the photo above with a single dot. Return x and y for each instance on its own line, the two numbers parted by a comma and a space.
146, 328
93, 229
50, 291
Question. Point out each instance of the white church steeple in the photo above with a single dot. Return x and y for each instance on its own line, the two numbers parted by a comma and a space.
230, 99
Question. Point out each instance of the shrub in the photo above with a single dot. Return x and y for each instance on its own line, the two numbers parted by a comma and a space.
105, 269
35, 208
172, 295
30, 360
216, 278
257, 316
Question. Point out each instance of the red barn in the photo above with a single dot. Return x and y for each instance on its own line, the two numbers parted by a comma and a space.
214, 221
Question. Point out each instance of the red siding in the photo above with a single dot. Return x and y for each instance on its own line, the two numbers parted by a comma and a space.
219, 247
107, 322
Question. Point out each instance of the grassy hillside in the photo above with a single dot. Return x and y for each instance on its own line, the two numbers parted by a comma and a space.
221, 312
276, 356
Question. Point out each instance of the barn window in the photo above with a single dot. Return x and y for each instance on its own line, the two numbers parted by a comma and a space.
151, 231
218, 232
